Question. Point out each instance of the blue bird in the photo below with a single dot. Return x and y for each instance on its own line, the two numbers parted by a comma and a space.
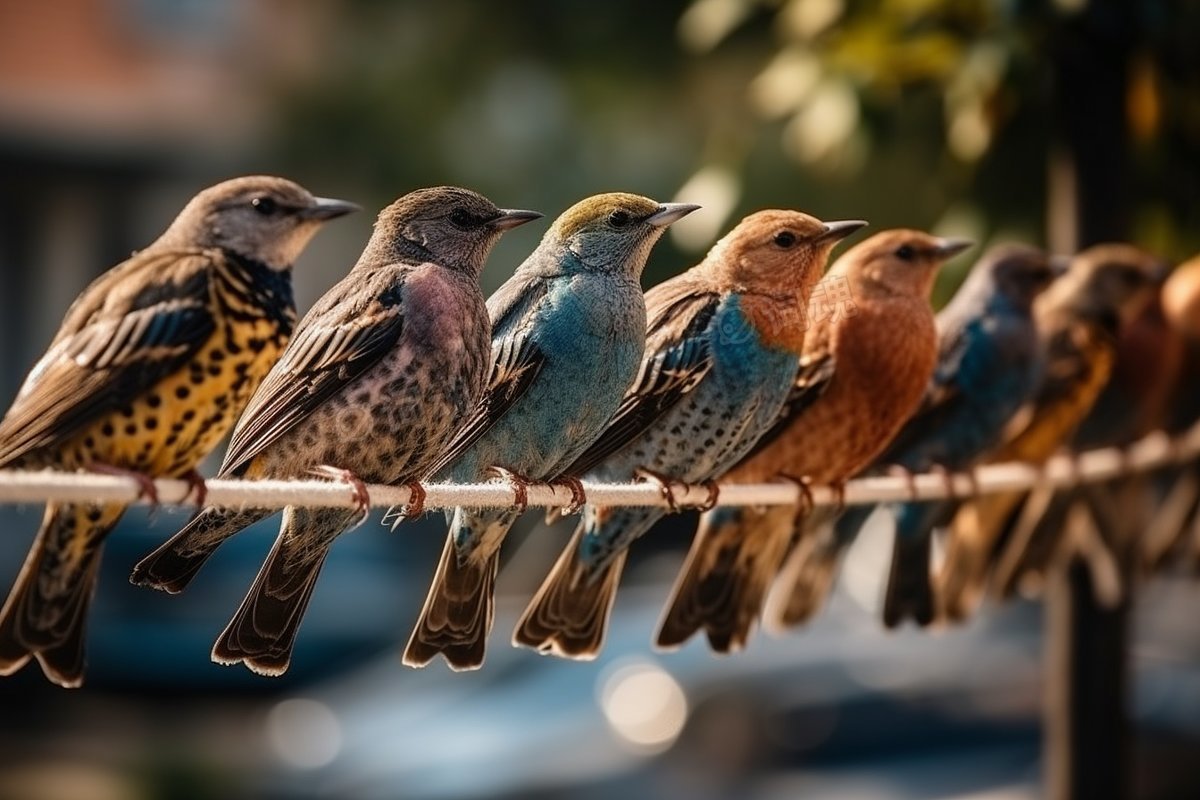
989, 365
568, 331
723, 345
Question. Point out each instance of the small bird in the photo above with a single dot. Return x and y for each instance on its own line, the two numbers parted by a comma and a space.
1079, 319
145, 376
988, 364
568, 331
722, 349
832, 425
381, 373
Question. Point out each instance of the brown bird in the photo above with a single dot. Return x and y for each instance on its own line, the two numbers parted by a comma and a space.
723, 344
147, 373
1080, 318
882, 344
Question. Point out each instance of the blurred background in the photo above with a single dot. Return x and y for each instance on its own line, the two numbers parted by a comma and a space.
1060, 122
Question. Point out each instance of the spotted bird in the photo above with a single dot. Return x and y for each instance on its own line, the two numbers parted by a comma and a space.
147, 373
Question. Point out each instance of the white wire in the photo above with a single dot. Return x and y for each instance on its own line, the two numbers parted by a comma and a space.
1156, 450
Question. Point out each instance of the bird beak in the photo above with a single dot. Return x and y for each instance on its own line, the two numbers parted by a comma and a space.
1059, 265
840, 229
513, 217
670, 212
948, 248
325, 208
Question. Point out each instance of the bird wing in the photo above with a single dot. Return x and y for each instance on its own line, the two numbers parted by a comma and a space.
516, 362
816, 371
346, 333
963, 351
678, 356
1079, 360
129, 329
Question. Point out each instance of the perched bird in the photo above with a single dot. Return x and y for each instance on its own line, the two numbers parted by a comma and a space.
1079, 320
988, 364
146, 374
832, 425
381, 373
723, 345
568, 331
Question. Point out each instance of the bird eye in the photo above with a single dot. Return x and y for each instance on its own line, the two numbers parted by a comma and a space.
906, 252
461, 218
264, 205
618, 219
785, 239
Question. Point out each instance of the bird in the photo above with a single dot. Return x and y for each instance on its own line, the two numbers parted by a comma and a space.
568, 331
381, 373
723, 345
988, 363
1080, 319
832, 425
144, 377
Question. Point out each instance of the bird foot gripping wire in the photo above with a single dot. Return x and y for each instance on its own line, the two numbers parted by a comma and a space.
358, 489
196, 487
646, 475
415, 506
665, 488
519, 483
578, 496
910, 478
146, 489
804, 487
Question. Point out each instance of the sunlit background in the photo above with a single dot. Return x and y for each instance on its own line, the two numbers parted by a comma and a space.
1061, 123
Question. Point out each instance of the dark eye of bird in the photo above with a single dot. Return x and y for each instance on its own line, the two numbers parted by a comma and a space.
264, 205
461, 218
618, 219
785, 239
906, 252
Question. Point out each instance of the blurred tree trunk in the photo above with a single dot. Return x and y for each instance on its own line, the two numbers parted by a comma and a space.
1087, 742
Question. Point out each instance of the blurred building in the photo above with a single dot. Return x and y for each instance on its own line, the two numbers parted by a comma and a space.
111, 111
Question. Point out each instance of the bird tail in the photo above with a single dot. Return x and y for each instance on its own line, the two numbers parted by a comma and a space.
458, 612
976, 536
568, 617
732, 561
45, 615
807, 576
172, 566
263, 630
910, 589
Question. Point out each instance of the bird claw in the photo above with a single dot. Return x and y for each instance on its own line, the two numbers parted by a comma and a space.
358, 489
804, 486
645, 474
578, 496
519, 483
415, 506
714, 495
197, 487
947, 479
909, 477
146, 488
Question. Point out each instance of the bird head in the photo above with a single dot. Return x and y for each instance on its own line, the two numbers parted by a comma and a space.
775, 250
454, 227
614, 232
1108, 281
265, 218
897, 262
1018, 273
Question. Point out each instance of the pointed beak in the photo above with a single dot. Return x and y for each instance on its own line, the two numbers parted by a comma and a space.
670, 212
513, 217
840, 229
950, 247
326, 208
